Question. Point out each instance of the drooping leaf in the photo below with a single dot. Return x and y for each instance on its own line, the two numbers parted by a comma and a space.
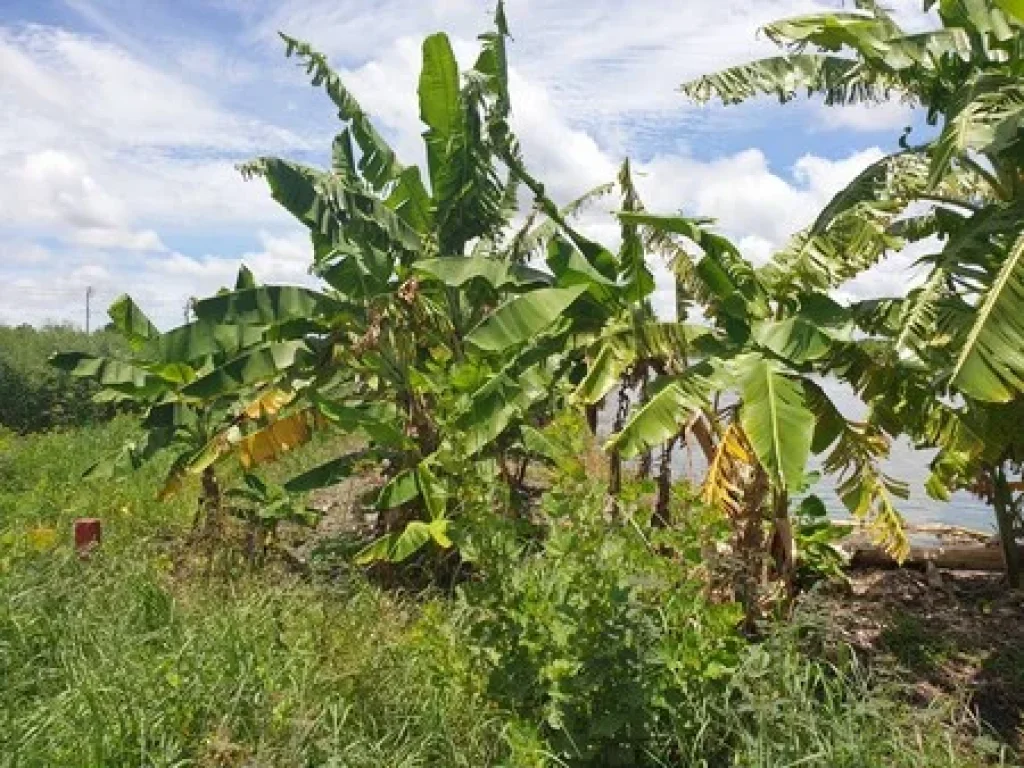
263, 305
532, 238
796, 339
571, 268
722, 481
457, 271
378, 163
522, 318
329, 473
775, 419
982, 107
268, 444
170, 416
432, 490
257, 366
990, 365
841, 80
401, 489
671, 406
538, 443
268, 403
126, 378
411, 201
854, 452
619, 349
380, 423
495, 405
397, 547
202, 339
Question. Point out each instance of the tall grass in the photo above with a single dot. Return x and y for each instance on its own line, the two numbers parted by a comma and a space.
114, 661
109, 663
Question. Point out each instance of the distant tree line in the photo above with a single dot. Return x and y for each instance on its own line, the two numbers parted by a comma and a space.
35, 396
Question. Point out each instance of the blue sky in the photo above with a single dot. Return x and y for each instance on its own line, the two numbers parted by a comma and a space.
124, 120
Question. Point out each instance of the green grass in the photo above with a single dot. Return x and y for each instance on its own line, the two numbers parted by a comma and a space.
107, 663
122, 660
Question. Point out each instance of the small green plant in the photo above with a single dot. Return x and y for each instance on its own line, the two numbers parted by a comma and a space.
815, 539
263, 506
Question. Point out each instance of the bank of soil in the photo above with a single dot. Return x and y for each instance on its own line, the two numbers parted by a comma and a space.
943, 634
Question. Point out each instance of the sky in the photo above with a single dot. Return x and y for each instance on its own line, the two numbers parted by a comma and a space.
124, 121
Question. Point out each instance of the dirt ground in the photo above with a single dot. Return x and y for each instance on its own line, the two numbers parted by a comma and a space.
943, 634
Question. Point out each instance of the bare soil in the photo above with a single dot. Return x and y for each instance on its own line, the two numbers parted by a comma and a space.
942, 633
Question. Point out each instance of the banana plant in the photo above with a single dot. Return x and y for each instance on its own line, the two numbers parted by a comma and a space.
442, 341
263, 506
747, 391
959, 335
209, 390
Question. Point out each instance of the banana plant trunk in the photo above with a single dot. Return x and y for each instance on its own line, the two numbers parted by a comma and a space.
210, 501
614, 459
1006, 518
750, 546
662, 505
782, 546
647, 457
592, 413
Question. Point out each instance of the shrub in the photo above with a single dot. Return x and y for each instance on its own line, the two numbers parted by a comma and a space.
600, 635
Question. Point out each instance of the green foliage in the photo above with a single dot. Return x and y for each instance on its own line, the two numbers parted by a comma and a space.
106, 663
815, 538
959, 335
35, 396
600, 637
596, 632
264, 505
776, 420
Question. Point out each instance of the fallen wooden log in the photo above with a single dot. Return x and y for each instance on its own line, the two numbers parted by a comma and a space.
955, 557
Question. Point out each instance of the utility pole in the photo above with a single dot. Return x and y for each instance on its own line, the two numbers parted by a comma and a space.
88, 301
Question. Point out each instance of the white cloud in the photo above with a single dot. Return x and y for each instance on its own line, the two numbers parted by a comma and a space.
600, 58
743, 193
888, 116
54, 190
107, 150
97, 237
824, 178
64, 85
161, 284
24, 254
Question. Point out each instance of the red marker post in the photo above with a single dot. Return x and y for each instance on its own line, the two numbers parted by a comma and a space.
87, 535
